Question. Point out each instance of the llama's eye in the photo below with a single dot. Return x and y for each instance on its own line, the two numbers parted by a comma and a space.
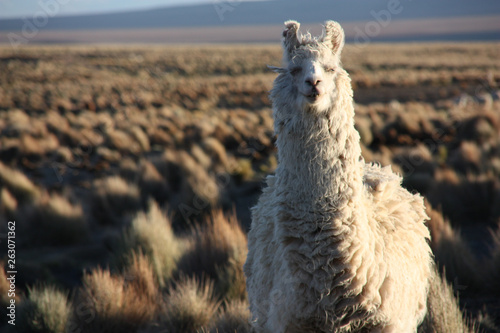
295, 70
330, 69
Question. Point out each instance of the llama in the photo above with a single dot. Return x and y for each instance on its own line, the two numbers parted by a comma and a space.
336, 245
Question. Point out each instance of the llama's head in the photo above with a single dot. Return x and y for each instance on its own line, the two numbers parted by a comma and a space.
311, 64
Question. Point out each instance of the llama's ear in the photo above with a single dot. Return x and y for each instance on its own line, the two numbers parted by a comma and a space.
334, 36
291, 40
277, 69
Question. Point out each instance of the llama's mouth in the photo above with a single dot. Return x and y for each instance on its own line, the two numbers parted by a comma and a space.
312, 96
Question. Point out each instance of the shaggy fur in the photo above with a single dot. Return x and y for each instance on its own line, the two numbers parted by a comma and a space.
336, 245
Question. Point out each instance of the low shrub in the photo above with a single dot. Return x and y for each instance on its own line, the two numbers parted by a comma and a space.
18, 184
54, 220
219, 252
46, 310
235, 317
188, 307
113, 198
107, 303
151, 234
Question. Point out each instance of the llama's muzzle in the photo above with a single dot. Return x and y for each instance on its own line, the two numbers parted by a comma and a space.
313, 94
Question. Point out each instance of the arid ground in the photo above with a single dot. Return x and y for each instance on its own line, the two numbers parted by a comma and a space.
130, 171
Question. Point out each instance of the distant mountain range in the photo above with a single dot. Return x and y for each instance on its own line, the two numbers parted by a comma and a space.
222, 14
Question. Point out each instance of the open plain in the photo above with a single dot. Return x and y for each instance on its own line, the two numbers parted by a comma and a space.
130, 171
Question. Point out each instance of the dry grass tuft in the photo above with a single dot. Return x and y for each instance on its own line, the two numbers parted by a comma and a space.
113, 198
46, 310
8, 203
63, 155
37, 147
140, 137
122, 141
140, 276
363, 126
188, 307
217, 152
416, 159
18, 184
234, 318
75, 138
467, 158
443, 314
481, 128
151, 234
494, 279
463, 199
195, 190
158, 137
452, 253
56, 221
152, 183
105, 291
244, 170
114, 305
147, 177
109, 155
485, 323
438, 226
201, 157
129, 169
219, 252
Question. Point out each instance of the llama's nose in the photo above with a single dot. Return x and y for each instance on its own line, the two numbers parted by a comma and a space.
313, 81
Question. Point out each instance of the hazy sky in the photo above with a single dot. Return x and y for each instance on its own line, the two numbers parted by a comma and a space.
28, 8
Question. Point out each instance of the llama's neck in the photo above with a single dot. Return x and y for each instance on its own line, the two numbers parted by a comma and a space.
319, 188
320, 174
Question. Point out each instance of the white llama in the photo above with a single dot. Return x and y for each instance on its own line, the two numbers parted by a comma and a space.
336, 245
